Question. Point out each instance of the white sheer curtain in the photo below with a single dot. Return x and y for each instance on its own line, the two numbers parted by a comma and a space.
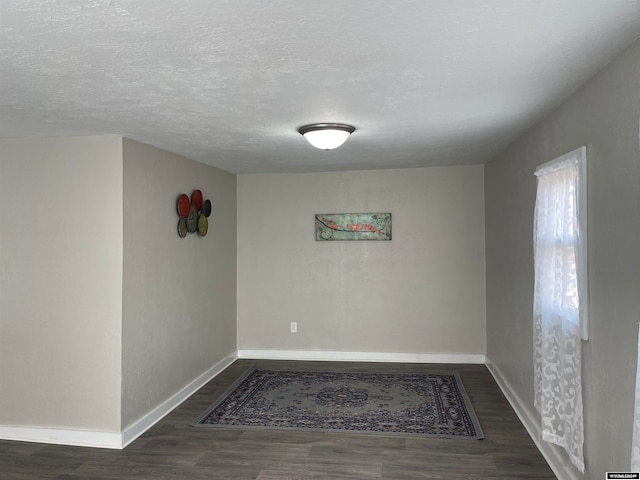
635, 446
559, 310
635, 443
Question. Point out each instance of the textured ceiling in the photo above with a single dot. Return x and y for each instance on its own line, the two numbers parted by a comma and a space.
228, 82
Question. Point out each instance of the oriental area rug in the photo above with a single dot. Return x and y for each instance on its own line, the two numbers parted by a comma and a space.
433, 405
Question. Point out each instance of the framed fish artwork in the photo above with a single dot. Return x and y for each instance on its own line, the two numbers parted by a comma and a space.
353, 226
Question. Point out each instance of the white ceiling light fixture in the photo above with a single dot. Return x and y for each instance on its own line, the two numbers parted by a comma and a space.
326, 136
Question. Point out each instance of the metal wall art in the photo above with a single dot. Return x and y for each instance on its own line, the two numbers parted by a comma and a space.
353, 226
193, 214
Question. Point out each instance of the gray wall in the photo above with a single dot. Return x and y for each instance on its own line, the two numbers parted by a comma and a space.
603, 115
60, 282
105, 313
422, 292
179, 294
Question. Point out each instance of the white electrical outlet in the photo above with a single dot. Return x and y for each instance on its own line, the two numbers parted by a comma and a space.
294, 327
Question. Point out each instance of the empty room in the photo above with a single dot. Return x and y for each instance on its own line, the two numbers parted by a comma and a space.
319, 240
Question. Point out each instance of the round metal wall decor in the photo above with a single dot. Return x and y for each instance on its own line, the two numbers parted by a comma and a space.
182, 227
192, 220
183, 206
203, 225
206, 208
193, 213
196, 199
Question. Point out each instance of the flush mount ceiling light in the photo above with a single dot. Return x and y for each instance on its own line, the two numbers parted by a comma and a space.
326, 136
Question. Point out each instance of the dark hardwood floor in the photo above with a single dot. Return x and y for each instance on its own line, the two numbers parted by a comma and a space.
174, 450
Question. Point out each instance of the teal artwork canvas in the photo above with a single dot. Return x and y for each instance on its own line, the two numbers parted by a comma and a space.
353, 226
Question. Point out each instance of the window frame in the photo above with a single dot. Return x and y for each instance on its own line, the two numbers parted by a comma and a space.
579, 157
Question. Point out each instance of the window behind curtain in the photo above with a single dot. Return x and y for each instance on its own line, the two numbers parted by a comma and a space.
560, 300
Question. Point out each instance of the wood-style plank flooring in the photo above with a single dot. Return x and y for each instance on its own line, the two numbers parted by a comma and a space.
173, 450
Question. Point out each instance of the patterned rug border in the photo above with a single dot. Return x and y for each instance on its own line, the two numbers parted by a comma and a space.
465, 398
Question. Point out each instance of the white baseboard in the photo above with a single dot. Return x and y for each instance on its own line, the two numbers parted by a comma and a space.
143, 424
78, 438
321, 355
83, 438
560, 468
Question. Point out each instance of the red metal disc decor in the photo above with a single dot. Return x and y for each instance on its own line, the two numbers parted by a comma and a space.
196, 199
193, 214
183, 206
